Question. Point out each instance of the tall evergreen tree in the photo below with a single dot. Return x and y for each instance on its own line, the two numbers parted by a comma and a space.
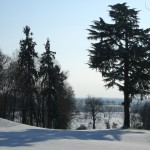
47, 86
122, 53
27, 75
57, 96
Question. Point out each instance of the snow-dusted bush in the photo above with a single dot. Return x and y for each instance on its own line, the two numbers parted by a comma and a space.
135, 120
82, 127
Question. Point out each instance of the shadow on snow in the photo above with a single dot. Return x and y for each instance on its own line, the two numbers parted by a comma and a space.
31, 136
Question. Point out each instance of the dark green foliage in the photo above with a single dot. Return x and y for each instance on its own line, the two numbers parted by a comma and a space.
47, 74
27, 75
82, 127
27, 55
36, 97
66, 106
121, 53
56, 95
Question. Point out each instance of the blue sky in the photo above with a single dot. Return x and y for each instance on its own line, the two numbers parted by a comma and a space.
64, 22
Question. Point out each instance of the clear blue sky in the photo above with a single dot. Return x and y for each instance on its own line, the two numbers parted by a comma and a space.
64, 22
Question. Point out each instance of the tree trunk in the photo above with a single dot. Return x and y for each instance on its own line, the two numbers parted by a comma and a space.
14, 105
43, 113
4, 106
31, 109
94, 119
24, 110
126, 86
126, 111
93, 123
126, 96
126, 103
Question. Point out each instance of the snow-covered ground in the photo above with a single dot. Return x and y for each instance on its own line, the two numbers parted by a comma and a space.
79, 119
14, 136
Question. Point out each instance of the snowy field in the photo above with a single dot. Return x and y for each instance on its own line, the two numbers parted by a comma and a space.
79, 119
14, 136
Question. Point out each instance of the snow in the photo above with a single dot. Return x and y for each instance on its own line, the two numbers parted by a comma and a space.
79, 119
15, 136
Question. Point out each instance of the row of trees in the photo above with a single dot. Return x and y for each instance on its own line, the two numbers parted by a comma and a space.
122, 54
37, 94
98, 110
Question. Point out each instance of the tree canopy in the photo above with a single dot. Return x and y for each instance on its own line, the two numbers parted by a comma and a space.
121, 53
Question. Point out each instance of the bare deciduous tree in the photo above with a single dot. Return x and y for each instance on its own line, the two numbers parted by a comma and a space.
93, 107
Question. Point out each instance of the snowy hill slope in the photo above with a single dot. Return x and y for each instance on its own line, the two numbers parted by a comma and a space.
14, 136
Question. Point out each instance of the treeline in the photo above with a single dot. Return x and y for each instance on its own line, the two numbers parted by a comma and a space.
112, 102
34, 90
